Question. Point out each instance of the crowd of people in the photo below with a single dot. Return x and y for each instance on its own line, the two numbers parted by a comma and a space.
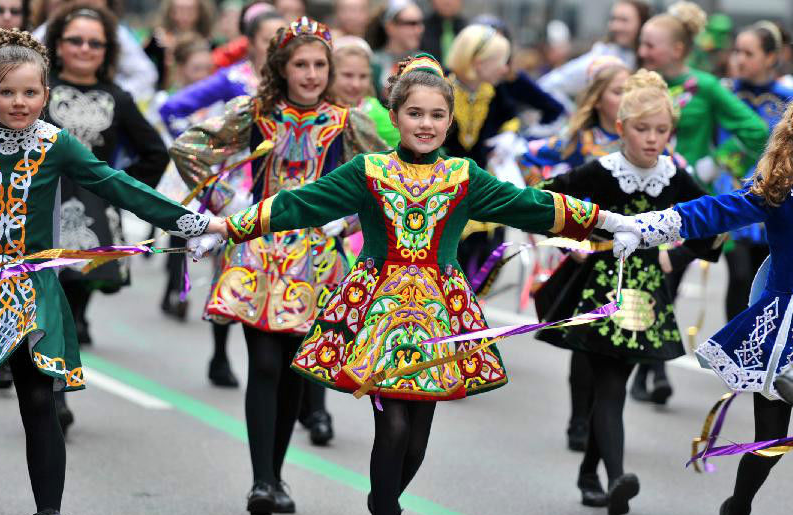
351, 178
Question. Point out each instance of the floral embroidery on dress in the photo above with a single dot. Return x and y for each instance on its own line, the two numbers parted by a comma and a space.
631, 178
14, 140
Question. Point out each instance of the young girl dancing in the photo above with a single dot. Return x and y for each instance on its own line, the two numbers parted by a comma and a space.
38, 336
645, 330
757, 345
407, 286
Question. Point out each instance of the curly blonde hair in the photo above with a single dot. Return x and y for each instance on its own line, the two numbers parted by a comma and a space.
773, 177
685, 20
18, 47
644, 93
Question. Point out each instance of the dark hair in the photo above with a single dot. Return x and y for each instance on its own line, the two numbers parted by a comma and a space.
772, 37
72, 11
17, 48
273, 86
206, 13
375, 33
252, 27
399, 86
188, 44
643, 11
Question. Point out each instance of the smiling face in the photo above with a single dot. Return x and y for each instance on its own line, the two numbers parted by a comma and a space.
624, 24
306, 73
645, 137
352, 80
22, 96
423, 120
657, 48
82, 48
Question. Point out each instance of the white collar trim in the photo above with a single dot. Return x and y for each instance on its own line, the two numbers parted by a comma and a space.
14, 140
632, 178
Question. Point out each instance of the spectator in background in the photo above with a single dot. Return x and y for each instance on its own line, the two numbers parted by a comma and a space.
351, 17
14, 14
557, 48
625, 22
177, 17
135, 72
40, 11
227, 25
236, 49
393, 35
441, 26
290, 9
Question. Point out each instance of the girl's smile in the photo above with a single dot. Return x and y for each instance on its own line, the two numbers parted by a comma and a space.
422, 120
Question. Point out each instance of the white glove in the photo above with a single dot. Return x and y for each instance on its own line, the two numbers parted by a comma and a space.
625, 242
334, 228
614, 222
238, 202
199, 246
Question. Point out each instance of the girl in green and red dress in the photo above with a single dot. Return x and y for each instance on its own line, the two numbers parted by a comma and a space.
407, 285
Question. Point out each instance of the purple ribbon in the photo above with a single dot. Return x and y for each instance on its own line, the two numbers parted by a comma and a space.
488, 266
187, 286
740, 448
23, 268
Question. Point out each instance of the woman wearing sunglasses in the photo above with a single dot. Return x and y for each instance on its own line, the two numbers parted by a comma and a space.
83, 48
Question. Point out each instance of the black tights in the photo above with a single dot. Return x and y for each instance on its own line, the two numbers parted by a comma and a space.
46, 451
771, 420
606, 431
581, 394
272, 400
742, 262
401, 432
220, 335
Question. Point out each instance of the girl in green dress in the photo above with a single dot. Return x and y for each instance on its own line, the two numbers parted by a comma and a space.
37, 333
407, 285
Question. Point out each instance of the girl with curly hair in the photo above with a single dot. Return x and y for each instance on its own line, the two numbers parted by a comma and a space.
38, 335
274, 285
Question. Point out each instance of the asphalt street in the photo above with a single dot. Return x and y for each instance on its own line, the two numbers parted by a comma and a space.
153, 437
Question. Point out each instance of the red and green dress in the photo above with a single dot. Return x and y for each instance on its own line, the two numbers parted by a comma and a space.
407, 285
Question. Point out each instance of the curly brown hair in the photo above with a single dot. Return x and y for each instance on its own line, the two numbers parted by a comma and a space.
773, 178
89, 10
273, 87
18, 47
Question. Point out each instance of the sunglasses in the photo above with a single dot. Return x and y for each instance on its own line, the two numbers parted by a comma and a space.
93, 44
13, 11
409, 23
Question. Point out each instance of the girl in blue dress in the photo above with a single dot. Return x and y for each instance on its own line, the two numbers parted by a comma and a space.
756, 346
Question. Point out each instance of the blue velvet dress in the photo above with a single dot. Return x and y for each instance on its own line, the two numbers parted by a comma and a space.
754, 347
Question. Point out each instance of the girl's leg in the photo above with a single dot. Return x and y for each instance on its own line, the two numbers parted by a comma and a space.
172, 304
290, 391
78, 295
610, 377
741, 274
580, 401
771, 420
46, 451
392, 432
220, 373
421, 414
313, 414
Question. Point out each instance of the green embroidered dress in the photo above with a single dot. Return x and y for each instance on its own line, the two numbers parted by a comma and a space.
33, 308
406, 286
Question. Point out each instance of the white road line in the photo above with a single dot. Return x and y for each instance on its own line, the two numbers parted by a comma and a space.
133, 395
504, 316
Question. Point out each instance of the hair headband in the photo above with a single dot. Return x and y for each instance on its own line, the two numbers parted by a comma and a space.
394, 8
255, 10
306, 27
84, 12
425, 63
487, 35
773, 29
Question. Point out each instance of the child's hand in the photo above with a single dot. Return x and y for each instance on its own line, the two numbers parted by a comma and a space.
200, 246
625, 243
613, 222
217, 226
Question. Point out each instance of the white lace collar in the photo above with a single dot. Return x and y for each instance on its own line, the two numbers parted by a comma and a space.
14, 140
632, 178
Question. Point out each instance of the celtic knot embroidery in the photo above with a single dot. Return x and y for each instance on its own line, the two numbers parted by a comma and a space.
750, 354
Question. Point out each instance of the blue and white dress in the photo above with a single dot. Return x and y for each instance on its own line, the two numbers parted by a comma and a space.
757, 345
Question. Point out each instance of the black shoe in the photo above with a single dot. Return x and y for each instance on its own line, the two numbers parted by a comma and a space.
320, 427
639, 388
662, 390
6, 378
83, 337
261, 498
784, 385
65, 416
173, 306
220, 374
624, 488
283, 502
577, 436
727, 508
592, 493
48, 511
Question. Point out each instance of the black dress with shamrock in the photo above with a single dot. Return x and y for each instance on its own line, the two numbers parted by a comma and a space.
645, 329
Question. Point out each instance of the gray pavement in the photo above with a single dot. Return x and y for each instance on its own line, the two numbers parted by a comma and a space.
153, 437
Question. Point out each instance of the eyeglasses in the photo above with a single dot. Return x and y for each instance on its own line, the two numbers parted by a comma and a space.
13, 11
409, 23
93, 44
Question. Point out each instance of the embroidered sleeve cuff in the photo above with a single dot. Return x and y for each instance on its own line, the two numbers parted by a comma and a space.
250, 223
659, 227
573, 218
190, 225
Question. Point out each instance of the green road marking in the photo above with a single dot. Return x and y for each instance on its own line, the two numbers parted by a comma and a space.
224, 422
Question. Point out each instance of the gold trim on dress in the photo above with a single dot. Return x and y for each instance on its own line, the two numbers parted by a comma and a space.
558, 212
264, 214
